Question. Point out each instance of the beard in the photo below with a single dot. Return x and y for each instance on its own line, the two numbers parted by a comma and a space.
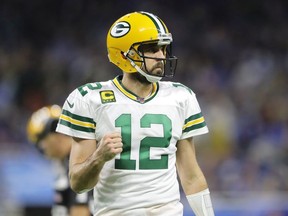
159, 67
142, 79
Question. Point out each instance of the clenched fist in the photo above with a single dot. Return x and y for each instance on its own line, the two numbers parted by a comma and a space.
110, 145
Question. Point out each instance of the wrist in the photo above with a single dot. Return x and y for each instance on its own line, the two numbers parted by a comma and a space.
201, 203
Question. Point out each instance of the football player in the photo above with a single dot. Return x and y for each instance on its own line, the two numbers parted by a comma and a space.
132, 134
41, 132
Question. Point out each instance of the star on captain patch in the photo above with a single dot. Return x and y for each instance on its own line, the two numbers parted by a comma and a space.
107, 96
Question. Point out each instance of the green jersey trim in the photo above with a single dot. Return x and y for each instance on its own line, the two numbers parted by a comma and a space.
194, 122
117, 82
77, 122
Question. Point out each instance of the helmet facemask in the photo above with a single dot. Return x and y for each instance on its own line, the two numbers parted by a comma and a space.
136, 55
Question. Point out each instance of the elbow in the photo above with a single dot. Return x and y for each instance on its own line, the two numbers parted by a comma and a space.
75, 184
77, 189
78, 185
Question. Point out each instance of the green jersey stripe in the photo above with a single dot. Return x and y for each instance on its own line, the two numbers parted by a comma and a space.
193, 117
78, 117
76, 127
194, 127
159, 25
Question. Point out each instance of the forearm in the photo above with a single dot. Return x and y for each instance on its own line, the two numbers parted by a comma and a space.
84, 167
196, 190
192, 179
194, 184
84, 176
198, 195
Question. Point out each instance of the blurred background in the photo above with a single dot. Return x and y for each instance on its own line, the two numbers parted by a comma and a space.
232, 54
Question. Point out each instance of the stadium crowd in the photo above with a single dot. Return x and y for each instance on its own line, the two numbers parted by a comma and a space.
233, 54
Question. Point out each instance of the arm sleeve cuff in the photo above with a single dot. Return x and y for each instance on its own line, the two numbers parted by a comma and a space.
201, 203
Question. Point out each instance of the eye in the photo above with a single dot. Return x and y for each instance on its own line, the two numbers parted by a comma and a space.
152, 48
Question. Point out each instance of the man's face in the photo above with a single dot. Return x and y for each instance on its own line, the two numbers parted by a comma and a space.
154, 65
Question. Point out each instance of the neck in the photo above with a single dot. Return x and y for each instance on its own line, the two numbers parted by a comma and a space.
133, 83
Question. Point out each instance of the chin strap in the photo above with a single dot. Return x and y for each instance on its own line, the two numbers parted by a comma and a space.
150, 78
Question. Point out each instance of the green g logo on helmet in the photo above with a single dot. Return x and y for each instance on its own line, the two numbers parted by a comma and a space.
120, 29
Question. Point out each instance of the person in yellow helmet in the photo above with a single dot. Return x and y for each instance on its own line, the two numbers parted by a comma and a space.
41, 133
134, 133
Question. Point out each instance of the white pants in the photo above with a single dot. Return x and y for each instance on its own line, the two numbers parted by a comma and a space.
170, 209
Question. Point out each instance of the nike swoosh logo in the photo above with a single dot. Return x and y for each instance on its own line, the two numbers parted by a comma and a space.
70, 105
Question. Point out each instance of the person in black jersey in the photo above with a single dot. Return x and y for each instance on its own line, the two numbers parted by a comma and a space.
41, 133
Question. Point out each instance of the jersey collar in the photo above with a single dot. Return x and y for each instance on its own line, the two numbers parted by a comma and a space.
117, 81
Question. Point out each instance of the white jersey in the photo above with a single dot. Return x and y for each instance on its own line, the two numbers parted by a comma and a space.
142, 179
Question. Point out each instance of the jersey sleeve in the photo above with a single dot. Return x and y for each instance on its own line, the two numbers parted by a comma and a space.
194, 122
77, 119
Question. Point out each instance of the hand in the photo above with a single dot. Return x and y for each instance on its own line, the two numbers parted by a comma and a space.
110, 145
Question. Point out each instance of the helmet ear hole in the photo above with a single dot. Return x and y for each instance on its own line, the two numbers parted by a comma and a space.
123, 55
131, 53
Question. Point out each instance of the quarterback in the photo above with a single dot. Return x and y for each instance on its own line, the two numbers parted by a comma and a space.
133, 135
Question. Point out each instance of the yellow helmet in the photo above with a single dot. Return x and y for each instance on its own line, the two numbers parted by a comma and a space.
42, 122
135, 29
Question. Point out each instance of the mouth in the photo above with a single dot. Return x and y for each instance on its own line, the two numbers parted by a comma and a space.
159, 72
158, 68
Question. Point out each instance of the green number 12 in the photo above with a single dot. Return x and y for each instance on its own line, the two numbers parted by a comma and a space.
125, 161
